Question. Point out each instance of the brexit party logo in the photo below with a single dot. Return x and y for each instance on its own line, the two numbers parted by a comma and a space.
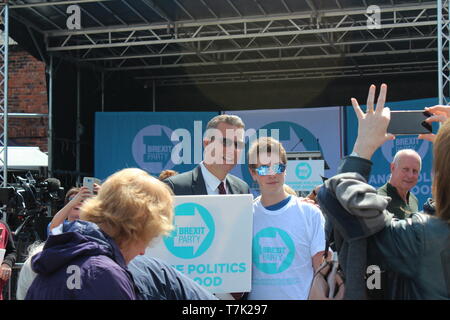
152, 149
391, 147
303, 171
273, 250
194, 231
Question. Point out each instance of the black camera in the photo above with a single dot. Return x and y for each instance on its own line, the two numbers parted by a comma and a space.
26, 203
29, 194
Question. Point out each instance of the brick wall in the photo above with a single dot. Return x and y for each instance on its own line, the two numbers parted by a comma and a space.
27, 94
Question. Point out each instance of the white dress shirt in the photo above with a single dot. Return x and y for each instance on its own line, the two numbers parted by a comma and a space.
211, 181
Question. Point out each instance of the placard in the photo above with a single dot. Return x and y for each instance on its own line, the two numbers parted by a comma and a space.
304, 175
211, 242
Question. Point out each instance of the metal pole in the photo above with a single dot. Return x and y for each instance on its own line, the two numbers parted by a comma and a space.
50, 126
445, 28
103, 91
27, 115
154, 95
440, 55
50, 118
78, 125
5, 98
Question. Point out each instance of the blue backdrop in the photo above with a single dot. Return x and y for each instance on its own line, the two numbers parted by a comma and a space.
308, 129
143, 140
383, 156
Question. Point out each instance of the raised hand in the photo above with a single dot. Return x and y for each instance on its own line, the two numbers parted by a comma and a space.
96, 188
373, 124
82, 195
5, 272
440, 114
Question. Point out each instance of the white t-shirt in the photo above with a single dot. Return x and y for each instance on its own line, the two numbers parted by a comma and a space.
284, 242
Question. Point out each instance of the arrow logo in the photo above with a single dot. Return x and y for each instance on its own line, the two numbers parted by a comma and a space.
293, 141
158, 149
273, 250
152, 149
190, 230
194, 231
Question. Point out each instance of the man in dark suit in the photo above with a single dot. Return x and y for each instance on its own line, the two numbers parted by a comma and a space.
223, 142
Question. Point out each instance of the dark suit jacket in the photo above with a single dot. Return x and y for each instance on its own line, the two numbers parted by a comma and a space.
192, 183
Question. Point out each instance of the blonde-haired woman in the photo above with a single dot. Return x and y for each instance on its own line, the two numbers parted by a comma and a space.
89, 260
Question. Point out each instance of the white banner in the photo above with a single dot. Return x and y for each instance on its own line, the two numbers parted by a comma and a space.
304, 175
211, 242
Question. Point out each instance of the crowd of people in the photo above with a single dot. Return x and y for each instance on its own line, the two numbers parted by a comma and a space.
96, 243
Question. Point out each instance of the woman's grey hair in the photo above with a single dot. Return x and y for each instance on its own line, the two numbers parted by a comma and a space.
27, 275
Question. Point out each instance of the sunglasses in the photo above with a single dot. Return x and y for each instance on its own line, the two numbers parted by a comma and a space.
228, 143
266, 170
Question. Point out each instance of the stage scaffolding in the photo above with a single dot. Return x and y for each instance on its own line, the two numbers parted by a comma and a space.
4, 47
443, 51
229, 41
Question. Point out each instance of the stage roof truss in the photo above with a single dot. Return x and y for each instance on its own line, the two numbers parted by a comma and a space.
190, 41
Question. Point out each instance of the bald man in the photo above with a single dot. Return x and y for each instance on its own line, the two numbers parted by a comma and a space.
405, 170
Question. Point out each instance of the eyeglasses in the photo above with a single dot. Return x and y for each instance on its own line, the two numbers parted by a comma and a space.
266, 170
228, 143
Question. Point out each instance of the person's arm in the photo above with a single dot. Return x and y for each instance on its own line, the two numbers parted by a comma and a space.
317, 241
401, 241
170, 184
356, 164
11, 251
10, 256
317, 260
401, 244
62, 214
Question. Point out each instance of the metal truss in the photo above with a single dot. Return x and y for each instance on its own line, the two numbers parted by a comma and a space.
4, 14
244, 41
443, 53
294, 74
235, 40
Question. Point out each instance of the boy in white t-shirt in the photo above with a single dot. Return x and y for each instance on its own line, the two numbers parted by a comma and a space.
288, 234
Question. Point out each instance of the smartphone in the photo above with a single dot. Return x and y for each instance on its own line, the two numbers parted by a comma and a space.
89, 183
409, 122
2, 255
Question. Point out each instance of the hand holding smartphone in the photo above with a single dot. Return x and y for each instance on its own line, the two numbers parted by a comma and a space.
409, 122
89, 183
